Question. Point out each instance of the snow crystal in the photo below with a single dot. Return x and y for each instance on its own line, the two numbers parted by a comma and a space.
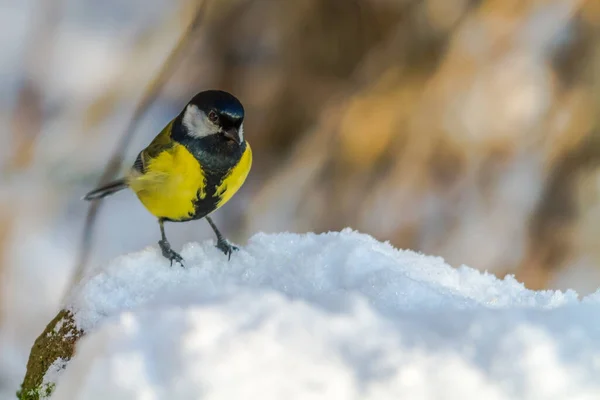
331, 316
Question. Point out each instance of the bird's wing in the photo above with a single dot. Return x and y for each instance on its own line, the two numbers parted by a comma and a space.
162, 142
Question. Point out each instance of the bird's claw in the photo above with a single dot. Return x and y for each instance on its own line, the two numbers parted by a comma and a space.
169, 253
226, 248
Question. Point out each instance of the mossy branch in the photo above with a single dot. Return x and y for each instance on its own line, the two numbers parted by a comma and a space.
56, 342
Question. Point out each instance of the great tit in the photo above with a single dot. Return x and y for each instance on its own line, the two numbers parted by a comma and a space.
192, 167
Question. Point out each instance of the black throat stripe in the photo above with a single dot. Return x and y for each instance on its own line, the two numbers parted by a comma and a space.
217, 156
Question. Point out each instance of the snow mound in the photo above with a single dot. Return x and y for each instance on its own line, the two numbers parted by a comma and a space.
331, 316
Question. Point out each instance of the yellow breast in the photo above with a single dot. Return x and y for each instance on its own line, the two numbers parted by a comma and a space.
172, 182
236, 177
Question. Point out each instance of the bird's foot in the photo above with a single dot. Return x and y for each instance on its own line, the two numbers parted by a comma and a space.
226, 247
169, 253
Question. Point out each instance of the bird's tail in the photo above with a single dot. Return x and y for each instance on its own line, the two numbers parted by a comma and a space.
106, 190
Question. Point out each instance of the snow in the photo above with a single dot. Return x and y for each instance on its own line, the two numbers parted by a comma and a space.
53, 373
330, 316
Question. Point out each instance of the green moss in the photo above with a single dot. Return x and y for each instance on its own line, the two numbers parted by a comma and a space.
43, 392
57, 341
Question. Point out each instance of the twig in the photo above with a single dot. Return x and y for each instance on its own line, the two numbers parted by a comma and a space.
116, 160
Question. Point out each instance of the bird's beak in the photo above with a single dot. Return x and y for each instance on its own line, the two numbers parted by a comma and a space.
233, 134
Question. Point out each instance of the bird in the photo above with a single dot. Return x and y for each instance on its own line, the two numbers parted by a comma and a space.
190, 169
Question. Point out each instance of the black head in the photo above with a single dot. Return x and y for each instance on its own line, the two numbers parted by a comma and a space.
214, 112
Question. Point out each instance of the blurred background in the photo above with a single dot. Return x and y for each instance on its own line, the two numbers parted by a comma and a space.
466, 129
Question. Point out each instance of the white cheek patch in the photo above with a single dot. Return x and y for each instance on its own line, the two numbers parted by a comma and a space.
241, 132
197, 123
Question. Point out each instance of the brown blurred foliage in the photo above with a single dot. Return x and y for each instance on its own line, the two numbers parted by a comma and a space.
454, 127
461, 128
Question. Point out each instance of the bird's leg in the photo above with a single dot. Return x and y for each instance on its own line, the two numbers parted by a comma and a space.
222, 243
165, 246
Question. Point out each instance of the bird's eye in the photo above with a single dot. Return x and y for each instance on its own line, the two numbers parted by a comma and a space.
213, 117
